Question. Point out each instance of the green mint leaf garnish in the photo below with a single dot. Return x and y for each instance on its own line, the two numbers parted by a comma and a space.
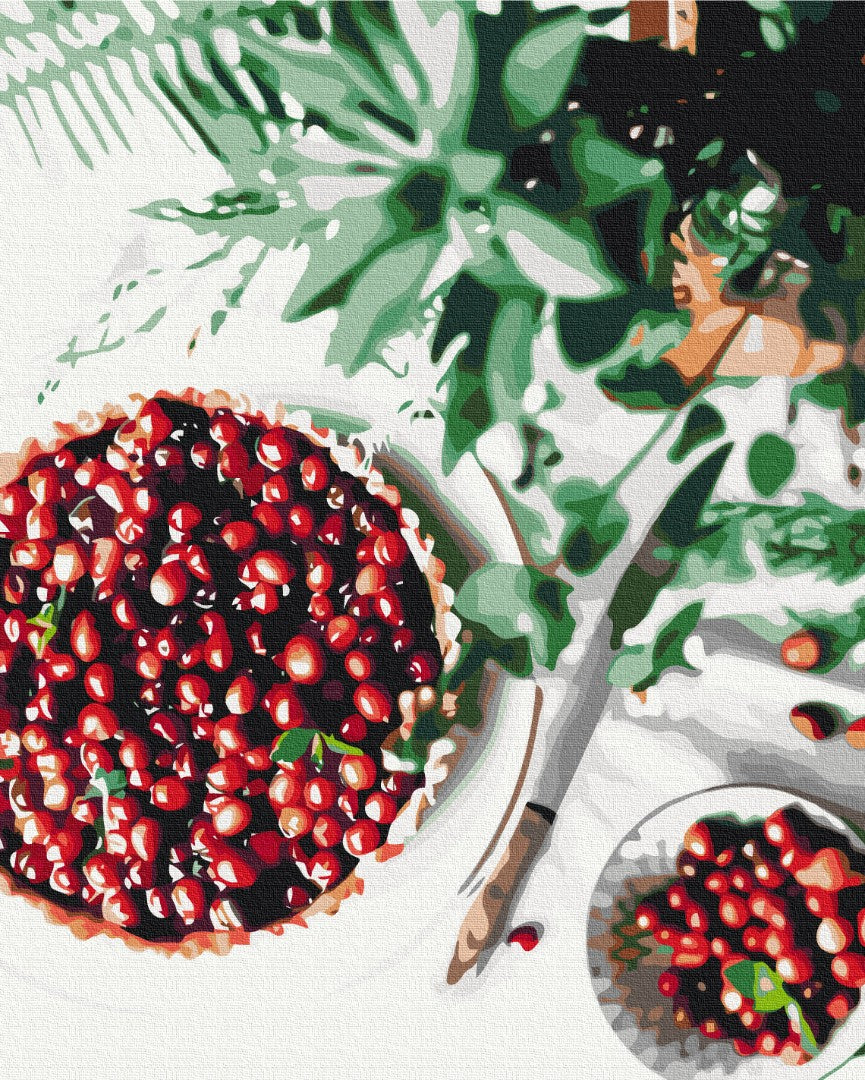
340, 747
292, 745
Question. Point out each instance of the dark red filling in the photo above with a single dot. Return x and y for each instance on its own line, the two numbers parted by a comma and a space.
182, 590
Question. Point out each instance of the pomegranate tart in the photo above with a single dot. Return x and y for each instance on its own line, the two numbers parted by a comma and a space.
214, 641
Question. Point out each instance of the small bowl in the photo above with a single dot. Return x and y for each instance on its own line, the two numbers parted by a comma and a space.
630, 1000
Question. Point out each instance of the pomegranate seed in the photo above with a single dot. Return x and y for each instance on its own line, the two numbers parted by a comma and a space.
361, 838
182, 519
41, 523
341, 632
229, 736
233, 462
144, 837
158, 902
295, 897
274, 449
302, 660
65, 880
165, 727
295, 821
257, 759
284, 791
348, 802
230, 868
14, 587
353, 728
275, 490
124, 613
314, 473
357, 771
285, 707
324, 868
99, 683
192, 692
319, 793
319, 577
31, 554
97, 722
326, 832
169, 584
266, 566
422, 667
69, 565
255, 639
133, 752
15, 501
225, 428
390, 549
203, 455
231, 816
227, 775
187, 896
370, 580
267, 846
148, 664
388, 606
170, 793
30, 863
358, 664
241, 696
380, 807
320, 607
527, 937
332, 532
373, 703
101, 873
238, 535
300, 521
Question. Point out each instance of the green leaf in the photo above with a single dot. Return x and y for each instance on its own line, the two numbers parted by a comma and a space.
741, 976
106, 783
7, 763
539, 67
843, 388
771, 461
710, 150
519, 602
293, 744
640, 666
596, 523
340, 747
702, 424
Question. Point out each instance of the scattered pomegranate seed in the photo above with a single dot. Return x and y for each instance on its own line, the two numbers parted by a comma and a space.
527, 937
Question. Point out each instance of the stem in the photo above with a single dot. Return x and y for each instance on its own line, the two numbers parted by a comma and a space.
642, 454
859, 1053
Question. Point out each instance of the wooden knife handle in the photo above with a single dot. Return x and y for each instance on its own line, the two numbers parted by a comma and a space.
485, 921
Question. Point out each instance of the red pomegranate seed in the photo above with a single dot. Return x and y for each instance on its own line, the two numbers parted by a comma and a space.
284, 791
295, 897
255, 639
99, 683
230, 868
124, 613
302, 660
148, 664
358, 664
275, 490
390, 549
102, 873
285, 707
266, 846
357, 771
320, 607
361, 838
332, 531
326, 832
267, 566
44, 485
257, 758
319, 577
158, 902
388, 606
228, 775
295, 821
402, 639
97, 722
229, 735
225, 428
164, 726
341, 632
187, 896
353, 728
380, 807
203, 455
238, 535
348, 803
527, 937
274, 449
300, 522
192, 692
145, 837
241, 696
69, 565
314, 473
41, 523
324, 868
182, 519
370, 580
373, 703
231, 816
14, 587
170, 793
15, 501
169, 584
233, 462
319, 793
30, 554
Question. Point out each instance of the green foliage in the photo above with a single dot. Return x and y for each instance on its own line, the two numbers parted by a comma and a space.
640, 666
771, 461
759, 983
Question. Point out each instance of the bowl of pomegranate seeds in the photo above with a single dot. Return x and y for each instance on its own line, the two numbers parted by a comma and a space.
727, 934
217, 634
